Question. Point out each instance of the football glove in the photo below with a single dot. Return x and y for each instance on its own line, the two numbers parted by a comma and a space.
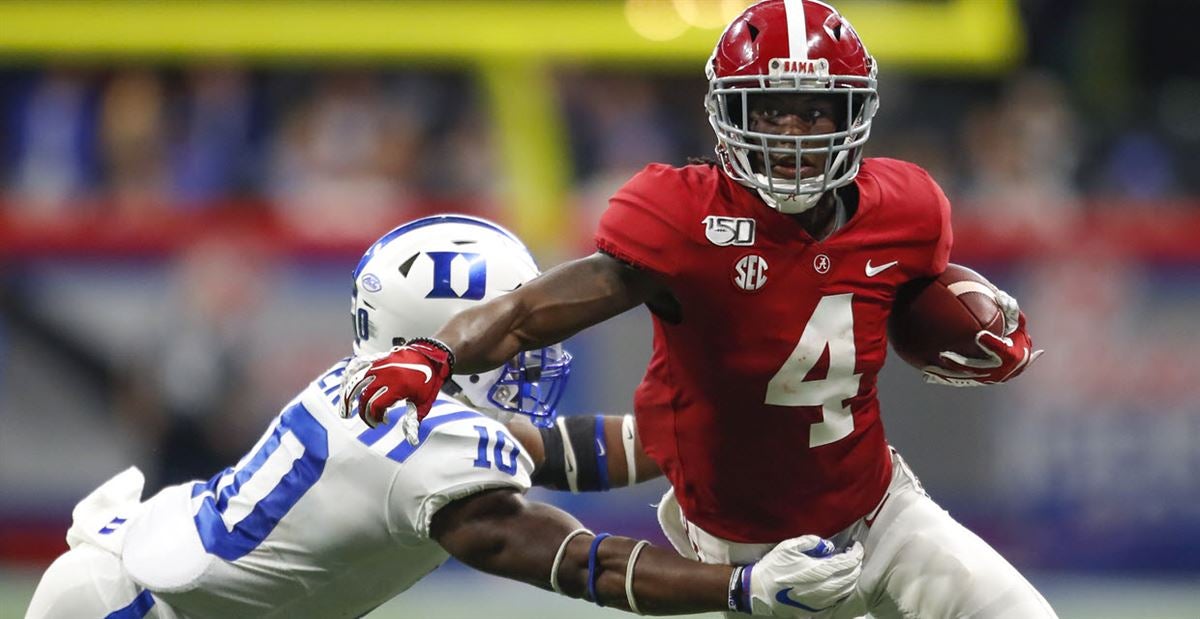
803, 577
1004, 357
409, 375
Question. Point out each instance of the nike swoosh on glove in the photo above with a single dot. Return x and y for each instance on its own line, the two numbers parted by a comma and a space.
1004, 359
412, 374
804, 577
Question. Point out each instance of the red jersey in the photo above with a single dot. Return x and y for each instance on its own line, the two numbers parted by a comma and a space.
760, 405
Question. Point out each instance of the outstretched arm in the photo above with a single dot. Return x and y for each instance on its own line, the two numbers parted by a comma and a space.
546, 310
501, 533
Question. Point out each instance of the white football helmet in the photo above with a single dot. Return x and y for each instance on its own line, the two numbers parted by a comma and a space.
419, 275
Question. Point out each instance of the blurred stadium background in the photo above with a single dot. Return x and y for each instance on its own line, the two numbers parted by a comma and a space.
185, 188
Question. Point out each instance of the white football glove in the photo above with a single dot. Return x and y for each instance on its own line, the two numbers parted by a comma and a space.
803, 577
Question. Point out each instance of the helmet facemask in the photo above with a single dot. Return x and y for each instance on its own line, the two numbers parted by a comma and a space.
531, 384
741, 149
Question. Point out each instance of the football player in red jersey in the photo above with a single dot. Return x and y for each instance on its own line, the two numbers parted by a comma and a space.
770, 276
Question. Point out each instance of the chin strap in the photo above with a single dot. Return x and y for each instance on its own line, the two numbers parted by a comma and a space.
805, 201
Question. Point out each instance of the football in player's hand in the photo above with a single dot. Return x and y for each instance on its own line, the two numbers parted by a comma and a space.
930, 316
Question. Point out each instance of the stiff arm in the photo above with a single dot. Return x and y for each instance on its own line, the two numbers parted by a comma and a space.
549, 309
502, 533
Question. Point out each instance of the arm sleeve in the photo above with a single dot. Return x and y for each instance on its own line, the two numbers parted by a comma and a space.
457, 459
639, 227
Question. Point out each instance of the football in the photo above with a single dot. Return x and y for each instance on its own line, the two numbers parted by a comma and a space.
943, 313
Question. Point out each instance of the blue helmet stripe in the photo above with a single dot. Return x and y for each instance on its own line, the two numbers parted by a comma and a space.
429, 221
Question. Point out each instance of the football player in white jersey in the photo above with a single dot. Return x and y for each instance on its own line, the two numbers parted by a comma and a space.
327, 517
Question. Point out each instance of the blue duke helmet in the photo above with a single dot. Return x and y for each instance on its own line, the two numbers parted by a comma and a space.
419, 275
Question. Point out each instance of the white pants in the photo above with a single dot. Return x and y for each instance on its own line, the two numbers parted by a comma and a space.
89, 581
918, 562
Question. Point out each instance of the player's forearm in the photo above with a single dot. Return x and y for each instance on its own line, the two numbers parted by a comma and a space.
662, 582
502, 533
545, 311
482, 337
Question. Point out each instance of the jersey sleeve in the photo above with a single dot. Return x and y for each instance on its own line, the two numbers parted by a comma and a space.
462, 454
639, 227
945, 240
924, 211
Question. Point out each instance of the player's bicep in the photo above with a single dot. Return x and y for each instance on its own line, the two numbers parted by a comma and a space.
465, 455
501, 533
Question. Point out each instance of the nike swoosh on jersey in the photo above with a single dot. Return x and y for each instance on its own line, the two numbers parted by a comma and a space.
410, 366
783, 598
873, 271
599, 448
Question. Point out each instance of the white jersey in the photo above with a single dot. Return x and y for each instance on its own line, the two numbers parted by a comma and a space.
324, 517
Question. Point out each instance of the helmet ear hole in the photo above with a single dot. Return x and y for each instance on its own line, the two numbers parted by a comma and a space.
474, 379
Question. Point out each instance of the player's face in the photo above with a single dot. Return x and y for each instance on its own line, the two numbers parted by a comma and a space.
793, 115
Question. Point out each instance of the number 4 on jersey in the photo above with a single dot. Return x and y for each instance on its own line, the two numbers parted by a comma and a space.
832, 326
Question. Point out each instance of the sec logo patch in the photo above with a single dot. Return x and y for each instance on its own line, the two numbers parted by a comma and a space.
750, 272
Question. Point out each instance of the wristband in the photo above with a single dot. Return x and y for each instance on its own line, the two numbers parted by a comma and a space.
592, 575
633, 557
440, 345
558, 557
735, 583
744, 597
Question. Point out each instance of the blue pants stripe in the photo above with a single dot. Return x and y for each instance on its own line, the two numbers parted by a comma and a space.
138, 608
